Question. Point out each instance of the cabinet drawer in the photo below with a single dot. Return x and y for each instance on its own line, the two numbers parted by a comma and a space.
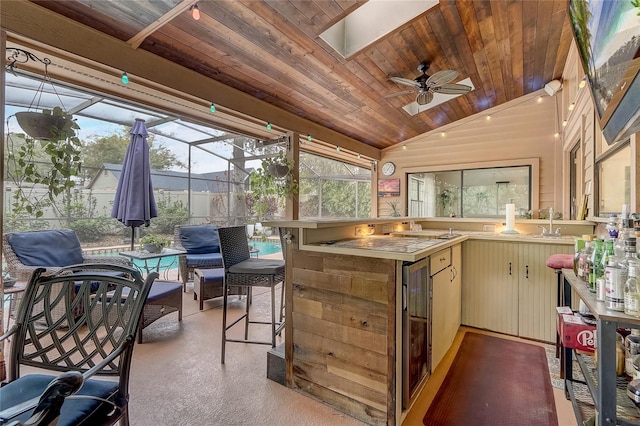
439, 261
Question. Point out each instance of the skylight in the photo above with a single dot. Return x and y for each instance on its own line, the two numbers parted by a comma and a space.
371, 21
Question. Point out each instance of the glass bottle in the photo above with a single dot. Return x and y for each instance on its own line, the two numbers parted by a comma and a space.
607, 252
612, 226
626, 232
578, 247
585, 258
614, 286
595, 264
631, 296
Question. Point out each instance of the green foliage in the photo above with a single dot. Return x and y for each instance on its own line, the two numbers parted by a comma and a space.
90, 230
112, 148
20, 223
27, 172
170, 214
155, 240
267, 188
84, 221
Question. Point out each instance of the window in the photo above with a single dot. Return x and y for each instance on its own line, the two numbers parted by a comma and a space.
331, 188
613, 179
479, 192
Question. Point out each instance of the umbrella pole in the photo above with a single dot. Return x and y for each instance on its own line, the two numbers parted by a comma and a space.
133, 233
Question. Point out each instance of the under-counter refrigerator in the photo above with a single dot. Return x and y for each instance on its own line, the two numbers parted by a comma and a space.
416, 328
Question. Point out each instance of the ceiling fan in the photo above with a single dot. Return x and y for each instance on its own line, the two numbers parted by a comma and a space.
427, 85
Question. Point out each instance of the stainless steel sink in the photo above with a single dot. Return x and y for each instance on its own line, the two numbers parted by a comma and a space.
447, 236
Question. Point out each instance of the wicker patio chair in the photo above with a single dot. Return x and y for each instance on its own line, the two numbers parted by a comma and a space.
241, 270
97, 343
24, 252
202, 249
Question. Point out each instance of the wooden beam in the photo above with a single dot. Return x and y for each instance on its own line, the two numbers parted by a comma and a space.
34, 22
137, 39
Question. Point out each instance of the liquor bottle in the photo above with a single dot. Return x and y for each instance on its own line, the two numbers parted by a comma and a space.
614, 293
585, 257
631, 296
595, 264
578, 247
612, 226
607, 252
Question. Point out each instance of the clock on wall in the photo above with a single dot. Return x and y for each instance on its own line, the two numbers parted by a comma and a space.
388, 168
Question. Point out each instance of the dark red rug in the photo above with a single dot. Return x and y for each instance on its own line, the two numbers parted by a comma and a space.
493, 382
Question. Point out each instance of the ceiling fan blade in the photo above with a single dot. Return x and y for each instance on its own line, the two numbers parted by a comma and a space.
452, 89
424, 97
404, 81
404, 92
441, 77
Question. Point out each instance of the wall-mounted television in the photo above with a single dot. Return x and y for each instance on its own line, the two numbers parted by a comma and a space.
608, 37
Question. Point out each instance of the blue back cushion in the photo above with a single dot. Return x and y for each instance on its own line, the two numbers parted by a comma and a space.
200, 239
47, 248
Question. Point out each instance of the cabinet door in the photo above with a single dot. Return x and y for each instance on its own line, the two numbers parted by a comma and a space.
538, 291
455, 294
490, 286
440, 312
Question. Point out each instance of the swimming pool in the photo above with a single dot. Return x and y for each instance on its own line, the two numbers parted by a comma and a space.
171, 262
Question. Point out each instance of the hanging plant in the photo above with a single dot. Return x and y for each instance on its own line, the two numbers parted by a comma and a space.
27, 170
47, 155
273, 182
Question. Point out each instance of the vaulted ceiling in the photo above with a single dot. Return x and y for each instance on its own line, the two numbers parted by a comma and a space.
272, 51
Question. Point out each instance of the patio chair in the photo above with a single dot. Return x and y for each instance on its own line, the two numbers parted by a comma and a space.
202, 249
24, 252
241, 270
97, 343
27, 251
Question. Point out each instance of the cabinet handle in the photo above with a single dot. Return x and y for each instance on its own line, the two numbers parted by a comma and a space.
509, 268
442, 259
526, 268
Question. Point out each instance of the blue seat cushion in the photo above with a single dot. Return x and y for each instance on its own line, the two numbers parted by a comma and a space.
73, 410
212, 275
47, 248
199, 239
209, 259
96, 284
161, 289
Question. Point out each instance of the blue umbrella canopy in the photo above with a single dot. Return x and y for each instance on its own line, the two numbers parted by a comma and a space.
134, 204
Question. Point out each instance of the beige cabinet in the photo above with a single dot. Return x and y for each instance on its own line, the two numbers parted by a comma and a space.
508, 288
446, 303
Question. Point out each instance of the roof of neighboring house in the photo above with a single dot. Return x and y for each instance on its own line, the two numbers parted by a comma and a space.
177, 181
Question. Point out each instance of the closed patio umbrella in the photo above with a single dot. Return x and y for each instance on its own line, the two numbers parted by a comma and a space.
134, 204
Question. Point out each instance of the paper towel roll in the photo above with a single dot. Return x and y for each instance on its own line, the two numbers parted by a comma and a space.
511, 217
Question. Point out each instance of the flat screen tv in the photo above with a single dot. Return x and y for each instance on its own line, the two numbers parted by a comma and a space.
607, 33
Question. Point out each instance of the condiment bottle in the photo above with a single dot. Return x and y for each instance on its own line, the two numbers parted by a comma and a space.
595, 264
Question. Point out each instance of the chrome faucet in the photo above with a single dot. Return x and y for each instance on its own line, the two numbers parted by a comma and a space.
551, 232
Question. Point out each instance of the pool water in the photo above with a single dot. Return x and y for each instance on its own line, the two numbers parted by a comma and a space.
171, 262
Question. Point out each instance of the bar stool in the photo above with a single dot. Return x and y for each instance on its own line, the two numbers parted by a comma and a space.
242, 270
558, 262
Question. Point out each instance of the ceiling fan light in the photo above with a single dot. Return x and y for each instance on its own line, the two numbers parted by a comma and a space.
424, 98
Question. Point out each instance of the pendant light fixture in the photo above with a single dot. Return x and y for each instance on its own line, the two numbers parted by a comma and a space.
195, 12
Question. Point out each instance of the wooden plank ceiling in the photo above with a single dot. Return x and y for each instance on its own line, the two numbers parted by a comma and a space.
272, 50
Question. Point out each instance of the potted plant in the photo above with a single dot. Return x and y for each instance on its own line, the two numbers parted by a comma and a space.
154, 243
43, 125
26, 170
395, 208
273, 183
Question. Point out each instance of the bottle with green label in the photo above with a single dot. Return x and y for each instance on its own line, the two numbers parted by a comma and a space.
595, 264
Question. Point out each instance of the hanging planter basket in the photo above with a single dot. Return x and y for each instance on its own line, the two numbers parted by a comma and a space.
278, 170
39, 125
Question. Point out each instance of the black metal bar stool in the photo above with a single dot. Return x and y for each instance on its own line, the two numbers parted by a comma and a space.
241, 270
